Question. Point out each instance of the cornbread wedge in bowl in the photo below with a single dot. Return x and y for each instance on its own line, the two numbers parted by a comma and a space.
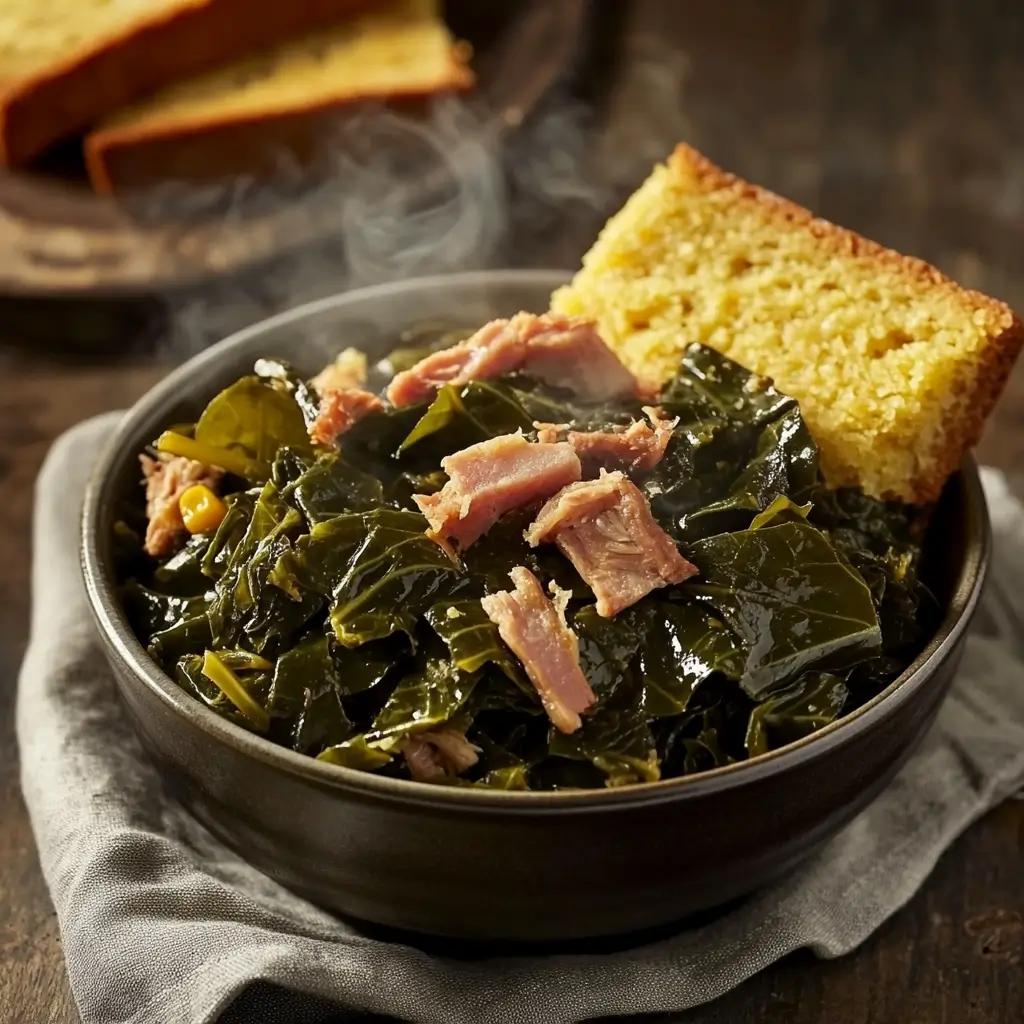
894, 365
455, 588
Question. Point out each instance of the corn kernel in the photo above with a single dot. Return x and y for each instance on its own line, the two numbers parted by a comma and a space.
201, 509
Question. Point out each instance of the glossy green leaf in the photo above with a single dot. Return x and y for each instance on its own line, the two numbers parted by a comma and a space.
304, 395
781, 509
247, 611
331, 487
473, 639
813, 701
355, 753
606, 648
378, 568
790, 597
182, 573
254, 418
618, 743
711, 386
236, 691
470, 413
685, 645
233, 528
405, 485
513, 777
488, 561
423, 700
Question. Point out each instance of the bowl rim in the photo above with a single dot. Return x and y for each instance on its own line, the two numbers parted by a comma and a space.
121, 641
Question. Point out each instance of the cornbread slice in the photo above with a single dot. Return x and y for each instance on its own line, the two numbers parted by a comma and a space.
241, 119
66, 63
895, 366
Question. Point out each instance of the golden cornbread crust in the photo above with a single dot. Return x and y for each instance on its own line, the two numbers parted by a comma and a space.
895, 395
144, 54
122, 158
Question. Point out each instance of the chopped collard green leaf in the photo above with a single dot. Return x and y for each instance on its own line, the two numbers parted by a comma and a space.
320, 614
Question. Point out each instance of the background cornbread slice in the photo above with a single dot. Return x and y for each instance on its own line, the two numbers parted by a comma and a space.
66, 63
894, 365
242, 118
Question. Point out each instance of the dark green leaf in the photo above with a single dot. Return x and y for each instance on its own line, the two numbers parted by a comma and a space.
607, 646
488, 561
379, 569
710, 386
150, 611
469, 413
424, 699
513, 776
247, 610
710, 733
372, 444
473, 639
685, 645
254, 418
233, 527
355, 753
465, 414
332, 487
813, 701
792, 599
618, 743
322, 721
304, 396
189, 635
182, 573
400, 492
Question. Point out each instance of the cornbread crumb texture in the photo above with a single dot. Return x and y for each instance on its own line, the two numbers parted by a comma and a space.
894, 365
34, 33
393, 48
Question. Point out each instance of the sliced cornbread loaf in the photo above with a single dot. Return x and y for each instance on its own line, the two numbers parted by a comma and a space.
66, 63
894, 365
243, 117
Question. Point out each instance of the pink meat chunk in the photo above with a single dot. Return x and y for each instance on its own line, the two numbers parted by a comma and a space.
637, 448
167, 477
489, 479
535, 629
565, 351
340, 409
347, 371
605, 528
438, 754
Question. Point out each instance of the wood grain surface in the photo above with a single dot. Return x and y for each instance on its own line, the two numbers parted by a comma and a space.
904, 122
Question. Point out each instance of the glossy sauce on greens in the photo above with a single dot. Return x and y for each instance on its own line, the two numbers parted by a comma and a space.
343, 630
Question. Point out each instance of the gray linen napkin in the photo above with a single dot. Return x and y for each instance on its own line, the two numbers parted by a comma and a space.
163, 925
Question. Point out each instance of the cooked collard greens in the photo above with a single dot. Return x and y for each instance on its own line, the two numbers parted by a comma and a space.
496, 578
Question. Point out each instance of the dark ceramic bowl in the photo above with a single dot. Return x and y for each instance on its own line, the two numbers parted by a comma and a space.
500, 865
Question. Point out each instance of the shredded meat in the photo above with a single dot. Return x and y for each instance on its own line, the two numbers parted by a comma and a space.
489, 479
438, 754
605, 528
535, 629
167, 477
565, 351
339, 411
347, 371
637, 448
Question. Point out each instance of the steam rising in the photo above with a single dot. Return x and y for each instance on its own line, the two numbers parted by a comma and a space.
441, 192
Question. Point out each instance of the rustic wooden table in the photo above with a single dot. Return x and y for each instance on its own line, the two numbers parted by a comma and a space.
904, 121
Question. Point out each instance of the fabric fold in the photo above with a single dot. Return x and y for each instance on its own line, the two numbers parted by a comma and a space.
161, 924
